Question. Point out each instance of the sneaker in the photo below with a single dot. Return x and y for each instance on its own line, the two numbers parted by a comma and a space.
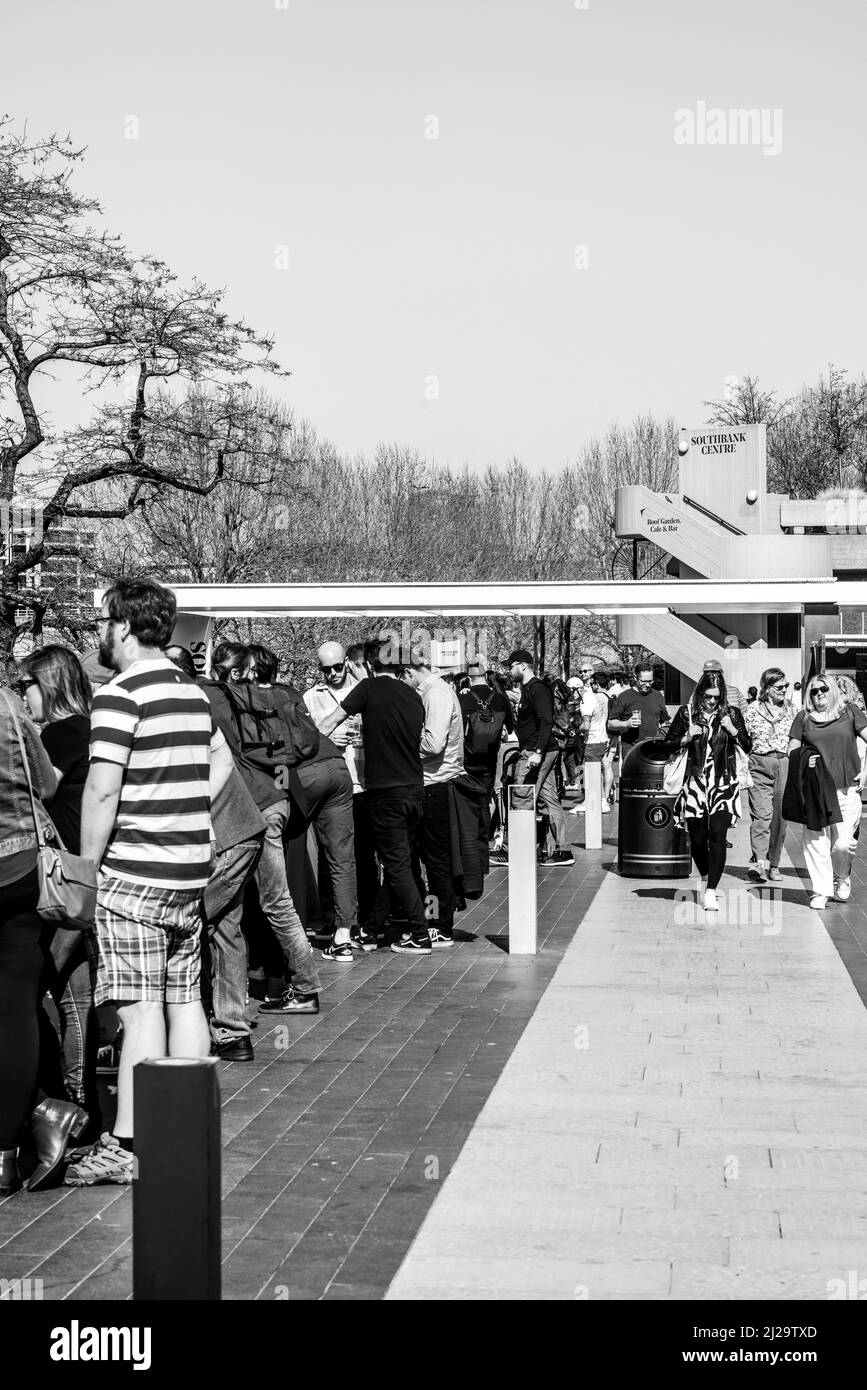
108, 1059
441, 942
498, 857
559, 858
774, 874
757, 873
818, 902
577, 810
711, 902
409, 946
340, 953
605, 808
842, 890
363, 940
105, 1162
291, 1003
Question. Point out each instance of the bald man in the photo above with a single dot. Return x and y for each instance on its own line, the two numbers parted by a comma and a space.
336, 679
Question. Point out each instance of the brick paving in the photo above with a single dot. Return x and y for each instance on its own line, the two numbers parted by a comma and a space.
337, 1140
684, 1117
442, 1130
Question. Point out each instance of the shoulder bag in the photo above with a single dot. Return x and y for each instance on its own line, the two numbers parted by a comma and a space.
67, 883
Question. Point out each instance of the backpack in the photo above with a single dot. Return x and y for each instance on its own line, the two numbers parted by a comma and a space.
483, 727
564, 732
272, 732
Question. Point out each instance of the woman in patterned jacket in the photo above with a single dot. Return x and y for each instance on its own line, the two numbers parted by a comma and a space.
709, 802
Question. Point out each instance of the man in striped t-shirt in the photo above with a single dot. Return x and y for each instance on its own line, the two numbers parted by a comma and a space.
157, 760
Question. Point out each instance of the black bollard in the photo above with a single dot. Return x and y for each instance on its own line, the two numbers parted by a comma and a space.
176, 1238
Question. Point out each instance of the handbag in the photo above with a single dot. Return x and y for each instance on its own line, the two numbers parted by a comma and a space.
674, 773
742, 763
67, 882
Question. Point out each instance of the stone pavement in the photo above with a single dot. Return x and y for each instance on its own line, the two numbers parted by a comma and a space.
655, 1106
338, 1138
685, 1116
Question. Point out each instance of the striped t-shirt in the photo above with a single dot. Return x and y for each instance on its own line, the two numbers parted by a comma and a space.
157, 724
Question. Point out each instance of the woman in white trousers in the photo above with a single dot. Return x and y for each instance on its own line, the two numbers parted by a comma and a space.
830, 728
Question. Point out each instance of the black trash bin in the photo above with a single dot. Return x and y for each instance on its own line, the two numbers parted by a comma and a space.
649, 843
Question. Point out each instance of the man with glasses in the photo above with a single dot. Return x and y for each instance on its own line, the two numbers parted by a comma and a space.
393, 721
157, 763
640, 712
769, 719
336, 679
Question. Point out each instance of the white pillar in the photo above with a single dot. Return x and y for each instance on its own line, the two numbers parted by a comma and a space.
592, 805
522, 870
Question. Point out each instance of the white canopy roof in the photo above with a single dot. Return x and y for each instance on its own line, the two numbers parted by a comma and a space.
549, 597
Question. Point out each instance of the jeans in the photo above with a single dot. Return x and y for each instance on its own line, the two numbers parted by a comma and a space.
435, 851
224, 979
829, 852
545, 777
330, 807
707, 835
72, 991
277, 905
395, 814
767, 827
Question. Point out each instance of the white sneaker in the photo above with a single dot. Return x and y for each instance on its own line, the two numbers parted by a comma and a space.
842, 890
711, 903
605, 808
818, 902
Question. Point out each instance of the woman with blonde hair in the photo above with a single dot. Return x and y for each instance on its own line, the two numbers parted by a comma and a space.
829, 728
769, 719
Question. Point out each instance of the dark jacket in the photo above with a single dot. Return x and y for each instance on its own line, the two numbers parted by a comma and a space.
534, 721
724, 760
468, 835
810, 797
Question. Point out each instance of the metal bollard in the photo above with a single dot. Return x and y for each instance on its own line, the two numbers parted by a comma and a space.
522, 870
176, 1236
592, 805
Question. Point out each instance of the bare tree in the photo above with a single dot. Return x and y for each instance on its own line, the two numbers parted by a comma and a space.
70, 293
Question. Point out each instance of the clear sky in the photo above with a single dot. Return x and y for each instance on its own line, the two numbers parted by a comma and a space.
454, 257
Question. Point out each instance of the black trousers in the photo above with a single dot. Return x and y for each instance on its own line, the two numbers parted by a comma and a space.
22, 964
395, 816
707, 837
435, 852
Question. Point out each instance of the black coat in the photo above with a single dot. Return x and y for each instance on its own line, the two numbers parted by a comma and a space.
810, 797
723, 745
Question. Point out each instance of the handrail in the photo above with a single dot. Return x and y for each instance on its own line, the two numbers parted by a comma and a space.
712, 516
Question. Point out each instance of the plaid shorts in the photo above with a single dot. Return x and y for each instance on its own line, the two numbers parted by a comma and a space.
149, 943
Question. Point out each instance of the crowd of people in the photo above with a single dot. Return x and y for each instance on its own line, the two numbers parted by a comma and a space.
198, 799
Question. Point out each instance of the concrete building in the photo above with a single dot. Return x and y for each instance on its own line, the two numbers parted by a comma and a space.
723, 524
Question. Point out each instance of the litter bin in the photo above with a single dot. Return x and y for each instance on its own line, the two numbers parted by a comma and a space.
649, 843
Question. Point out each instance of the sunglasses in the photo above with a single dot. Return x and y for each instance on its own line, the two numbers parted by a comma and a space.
784, 686
714, 699
24, 684
819, 690
337, 667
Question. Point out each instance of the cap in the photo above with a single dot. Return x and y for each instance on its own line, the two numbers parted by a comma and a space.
476, 669
521, 655
573, 682
712, 665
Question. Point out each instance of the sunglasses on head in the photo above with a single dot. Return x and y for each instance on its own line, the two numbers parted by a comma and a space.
338, 666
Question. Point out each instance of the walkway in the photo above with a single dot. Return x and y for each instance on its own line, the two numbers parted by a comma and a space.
685, 1116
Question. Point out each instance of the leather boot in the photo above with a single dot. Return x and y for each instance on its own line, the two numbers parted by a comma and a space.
10, 1180
53, 1124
